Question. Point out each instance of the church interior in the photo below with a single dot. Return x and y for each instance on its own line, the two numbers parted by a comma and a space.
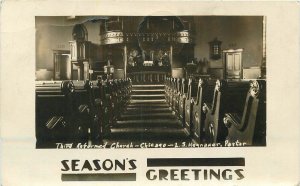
150, 81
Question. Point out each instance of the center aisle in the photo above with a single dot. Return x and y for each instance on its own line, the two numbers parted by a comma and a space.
147, 119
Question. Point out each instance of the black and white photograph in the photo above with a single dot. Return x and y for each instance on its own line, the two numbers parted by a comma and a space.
148, 92
150, 81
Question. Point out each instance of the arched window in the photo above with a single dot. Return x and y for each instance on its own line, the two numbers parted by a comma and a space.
80, 33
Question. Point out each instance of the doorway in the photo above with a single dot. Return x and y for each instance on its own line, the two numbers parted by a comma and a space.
62, 65
233, 63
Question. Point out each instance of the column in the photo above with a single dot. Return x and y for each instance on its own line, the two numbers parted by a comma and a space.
79, 70
125, 60
171, 58
86, 68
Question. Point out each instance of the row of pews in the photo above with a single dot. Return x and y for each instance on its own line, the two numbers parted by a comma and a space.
78, 111
227, 112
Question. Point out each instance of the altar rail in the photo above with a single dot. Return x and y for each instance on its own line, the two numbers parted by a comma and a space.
148, 77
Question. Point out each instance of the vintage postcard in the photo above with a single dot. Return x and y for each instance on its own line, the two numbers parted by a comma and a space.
149, 92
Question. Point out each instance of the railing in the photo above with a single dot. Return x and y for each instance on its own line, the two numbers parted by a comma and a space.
148, 77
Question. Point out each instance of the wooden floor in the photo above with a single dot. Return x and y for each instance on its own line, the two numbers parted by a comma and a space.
147, 119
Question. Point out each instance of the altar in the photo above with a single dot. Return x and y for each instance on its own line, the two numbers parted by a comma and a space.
148, 53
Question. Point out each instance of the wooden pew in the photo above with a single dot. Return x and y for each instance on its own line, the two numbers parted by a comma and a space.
107, 106
120, 97
89, 122
78, 111
175, 100
182, 98
128, 89
82, 103
173, 94
228, 96
114, 97
172, 91
168, 89
204, 94
125, 91
117, 97
113, 92
189, 102
97, 131
55, 113
250, 126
